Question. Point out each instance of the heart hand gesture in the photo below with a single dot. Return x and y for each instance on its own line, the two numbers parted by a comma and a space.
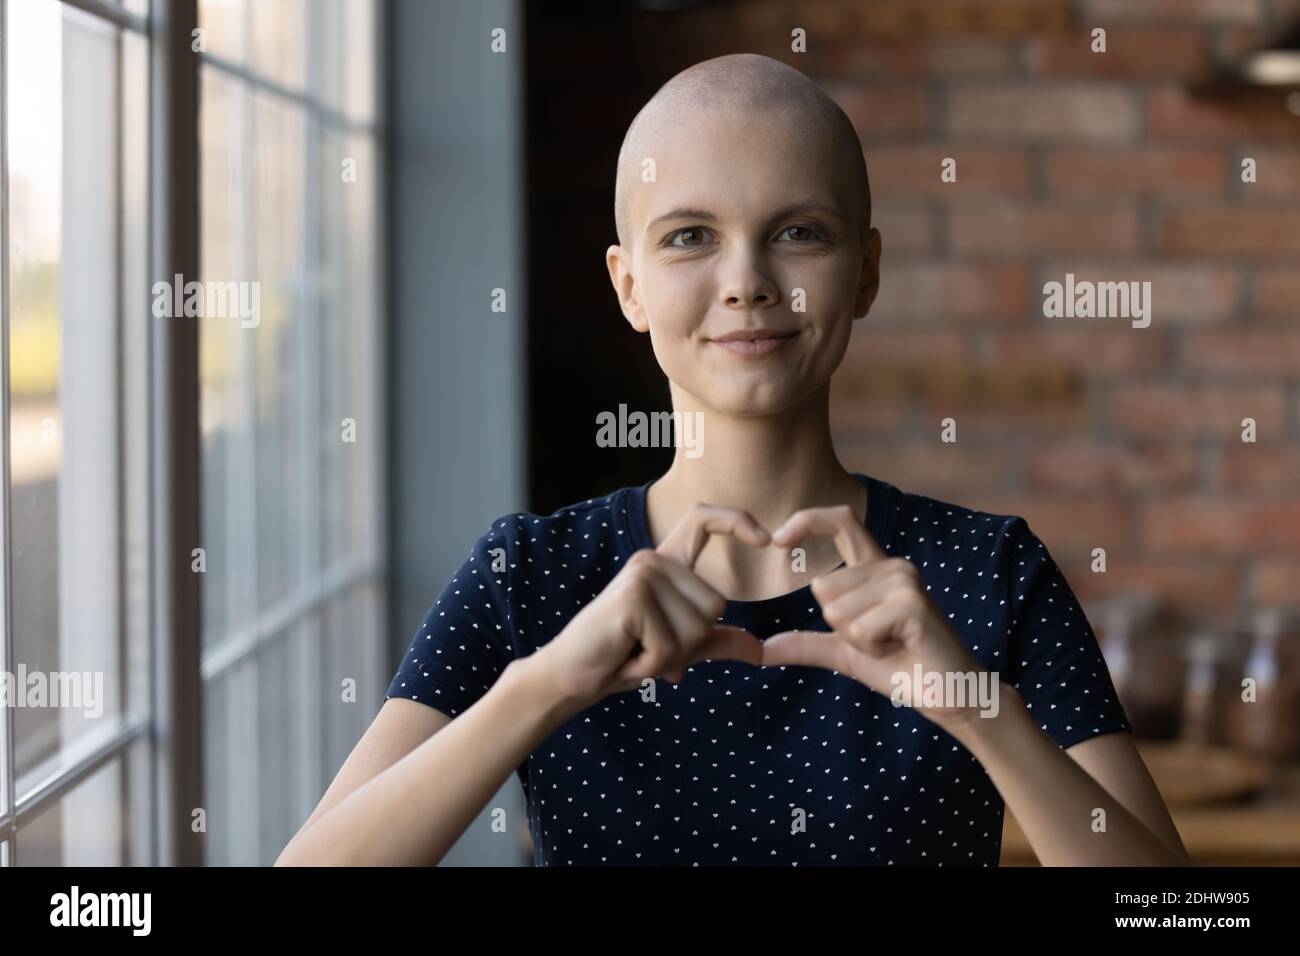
884, 624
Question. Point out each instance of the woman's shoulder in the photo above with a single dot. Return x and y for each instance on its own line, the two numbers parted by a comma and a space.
587, 524
917, 508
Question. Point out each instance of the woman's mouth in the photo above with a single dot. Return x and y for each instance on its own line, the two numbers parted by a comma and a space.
761, 343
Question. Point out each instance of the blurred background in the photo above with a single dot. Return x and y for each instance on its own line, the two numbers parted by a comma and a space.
386, 171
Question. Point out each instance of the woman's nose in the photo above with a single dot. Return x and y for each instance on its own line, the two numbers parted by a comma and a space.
746, 283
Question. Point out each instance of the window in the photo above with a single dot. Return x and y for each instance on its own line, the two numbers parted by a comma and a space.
73, 763
292, 438
288, 417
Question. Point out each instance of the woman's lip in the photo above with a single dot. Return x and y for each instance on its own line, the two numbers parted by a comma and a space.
751, 347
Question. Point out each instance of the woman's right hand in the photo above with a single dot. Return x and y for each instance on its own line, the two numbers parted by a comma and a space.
656, 617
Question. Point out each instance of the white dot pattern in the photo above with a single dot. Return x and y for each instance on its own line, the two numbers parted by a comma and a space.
740, 765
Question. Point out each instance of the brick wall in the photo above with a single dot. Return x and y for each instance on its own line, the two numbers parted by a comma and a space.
1100, 164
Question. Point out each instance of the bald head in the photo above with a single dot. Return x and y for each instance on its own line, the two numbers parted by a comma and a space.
732, 84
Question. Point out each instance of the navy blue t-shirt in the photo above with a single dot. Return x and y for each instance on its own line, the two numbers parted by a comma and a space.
743, 765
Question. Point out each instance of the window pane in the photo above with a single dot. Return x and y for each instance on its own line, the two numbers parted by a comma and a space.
275, 759
345, 59
222, 23
279, 38
219, 785
348, 317
92, 824
279, 192
225, 346
69, 171
342, 722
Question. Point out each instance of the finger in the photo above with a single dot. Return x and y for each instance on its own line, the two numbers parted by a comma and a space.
838, 610
694, 588
725, 642
688, 622
878, 631
689, 536
854, 542
805, 649
658, 646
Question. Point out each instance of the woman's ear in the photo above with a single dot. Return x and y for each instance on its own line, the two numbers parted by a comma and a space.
619, 263
869, 276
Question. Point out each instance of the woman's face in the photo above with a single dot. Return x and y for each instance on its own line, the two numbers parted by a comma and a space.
745, 227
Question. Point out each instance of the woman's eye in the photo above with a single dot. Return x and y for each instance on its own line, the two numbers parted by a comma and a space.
803, 233
691, 237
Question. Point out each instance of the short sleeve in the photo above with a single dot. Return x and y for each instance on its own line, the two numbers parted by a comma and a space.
464, 642
1056, 663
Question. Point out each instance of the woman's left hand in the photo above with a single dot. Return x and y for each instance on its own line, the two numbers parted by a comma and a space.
884, 624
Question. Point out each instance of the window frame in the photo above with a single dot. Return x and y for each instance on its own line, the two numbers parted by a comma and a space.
178, 671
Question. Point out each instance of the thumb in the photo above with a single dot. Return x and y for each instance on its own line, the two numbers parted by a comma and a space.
804, 649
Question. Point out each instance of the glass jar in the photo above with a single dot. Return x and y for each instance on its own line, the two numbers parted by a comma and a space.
1138, 644
1265, 716
1213, 662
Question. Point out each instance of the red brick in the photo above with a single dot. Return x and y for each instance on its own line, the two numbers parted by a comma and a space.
1183, 411
1007, 229
1192, 294
1010, 406
871, 347
1173, 113
1277, 293
915, 170
1235, 231
1277, 174
934, 468
1190, 586
1276, 582
905, 228
1149, 171
1067, 525
1248, 352
1219, 527
958, 57
943, 291
1138, 52
1093, 351
1105, 12
853, 412
1259, 468
1093, 113
1085, 466
883, 110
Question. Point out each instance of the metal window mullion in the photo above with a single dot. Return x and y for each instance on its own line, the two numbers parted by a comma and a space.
62, 781
7, 744
327, 114
176, 619
243, 737
375, 484
247, 639
112, 12
307, 634
120, 416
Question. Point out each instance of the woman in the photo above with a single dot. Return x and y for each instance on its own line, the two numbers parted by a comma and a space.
936, 668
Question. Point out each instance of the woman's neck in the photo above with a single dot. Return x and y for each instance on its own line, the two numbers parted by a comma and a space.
770, 466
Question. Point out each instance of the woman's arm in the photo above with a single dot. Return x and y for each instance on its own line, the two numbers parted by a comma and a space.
391, 806
1055, 794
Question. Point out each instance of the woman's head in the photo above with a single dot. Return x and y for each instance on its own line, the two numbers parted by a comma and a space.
742, 203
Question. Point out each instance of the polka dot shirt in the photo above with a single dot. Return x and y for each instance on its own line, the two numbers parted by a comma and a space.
779, 766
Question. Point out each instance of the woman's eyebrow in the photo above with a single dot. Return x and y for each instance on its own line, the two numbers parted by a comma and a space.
683, 212
703, 215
